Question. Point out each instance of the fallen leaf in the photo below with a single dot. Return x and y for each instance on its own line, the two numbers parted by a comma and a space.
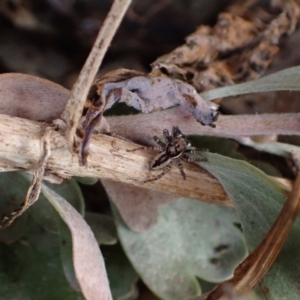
144, 93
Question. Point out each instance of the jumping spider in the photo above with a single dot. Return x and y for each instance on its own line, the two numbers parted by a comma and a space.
175, 148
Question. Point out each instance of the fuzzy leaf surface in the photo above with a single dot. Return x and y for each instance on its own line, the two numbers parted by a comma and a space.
258, 200
191, 239
30, 268
288, 79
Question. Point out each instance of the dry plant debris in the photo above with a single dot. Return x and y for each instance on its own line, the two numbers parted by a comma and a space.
144, 93
239, 48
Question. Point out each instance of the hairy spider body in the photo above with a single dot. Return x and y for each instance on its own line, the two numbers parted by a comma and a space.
174, 149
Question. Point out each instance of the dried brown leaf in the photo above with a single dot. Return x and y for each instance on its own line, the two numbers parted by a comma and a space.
248, 42
144, 93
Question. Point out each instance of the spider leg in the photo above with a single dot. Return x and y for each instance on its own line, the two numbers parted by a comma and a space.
167, 135
180, 167
193, 159
145, 148
160, 147
161, 144
195, 150
165, 170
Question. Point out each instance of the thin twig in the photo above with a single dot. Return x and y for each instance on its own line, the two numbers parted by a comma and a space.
73, 110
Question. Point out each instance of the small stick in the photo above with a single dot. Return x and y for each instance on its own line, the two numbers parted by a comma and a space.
73, 110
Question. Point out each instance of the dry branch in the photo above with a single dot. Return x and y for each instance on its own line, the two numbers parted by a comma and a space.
20, 150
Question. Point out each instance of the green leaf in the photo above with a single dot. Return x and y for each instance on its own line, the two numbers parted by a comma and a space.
229, 148
288, 79
103, 227
31, 268
13, 192
190, 239
86, 180
43, 212
258, 200
122, 277
217, 145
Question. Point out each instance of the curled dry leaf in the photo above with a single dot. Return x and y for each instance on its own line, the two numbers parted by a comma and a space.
146, 94
137, 206
88, 261
248, 38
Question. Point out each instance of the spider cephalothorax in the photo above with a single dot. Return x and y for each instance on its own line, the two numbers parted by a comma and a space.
175, 148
